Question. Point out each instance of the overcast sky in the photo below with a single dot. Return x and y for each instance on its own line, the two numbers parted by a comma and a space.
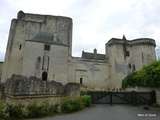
94, 21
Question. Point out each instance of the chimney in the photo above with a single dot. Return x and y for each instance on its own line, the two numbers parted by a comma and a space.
95, 51
124, 38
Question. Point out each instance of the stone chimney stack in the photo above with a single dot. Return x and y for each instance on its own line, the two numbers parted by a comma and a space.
95, 51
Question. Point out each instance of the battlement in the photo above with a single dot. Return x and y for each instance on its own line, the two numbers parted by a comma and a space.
139, 41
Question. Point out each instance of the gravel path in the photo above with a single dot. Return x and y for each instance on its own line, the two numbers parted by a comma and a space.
107, 112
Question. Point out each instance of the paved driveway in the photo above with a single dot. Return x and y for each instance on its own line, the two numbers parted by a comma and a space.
107, 112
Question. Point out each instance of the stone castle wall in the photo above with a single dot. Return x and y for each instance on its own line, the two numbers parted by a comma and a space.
20, 87
126, 56
34, 28
94, 73
27, 55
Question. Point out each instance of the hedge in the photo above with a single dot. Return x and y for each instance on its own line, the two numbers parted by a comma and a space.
148, 76
72, 105
36, 110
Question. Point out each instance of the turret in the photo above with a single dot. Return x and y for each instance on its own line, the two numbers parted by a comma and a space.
126, 56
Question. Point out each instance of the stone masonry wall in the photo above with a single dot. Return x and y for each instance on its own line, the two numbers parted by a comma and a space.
19, 85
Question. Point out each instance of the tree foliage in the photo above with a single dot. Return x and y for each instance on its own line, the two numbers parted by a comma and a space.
148, 76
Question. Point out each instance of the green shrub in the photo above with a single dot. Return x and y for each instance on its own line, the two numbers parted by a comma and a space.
48, 109
70, 106
86, 99
34, 110
148, 76
3, 113
52, 109
15, 111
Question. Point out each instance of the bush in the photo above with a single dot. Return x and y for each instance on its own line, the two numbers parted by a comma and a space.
148, 76
15, 111
70, 106
76, 104
86, 99
3, 114
35, 110
52, 109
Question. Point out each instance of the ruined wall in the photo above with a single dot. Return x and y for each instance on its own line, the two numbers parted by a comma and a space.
13, 57
20, 86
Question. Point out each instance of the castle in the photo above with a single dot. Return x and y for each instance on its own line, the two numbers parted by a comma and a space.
41, 46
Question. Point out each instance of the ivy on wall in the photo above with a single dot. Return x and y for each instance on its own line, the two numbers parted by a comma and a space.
148, 76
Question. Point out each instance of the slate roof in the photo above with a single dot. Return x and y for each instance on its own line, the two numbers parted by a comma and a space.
87, 55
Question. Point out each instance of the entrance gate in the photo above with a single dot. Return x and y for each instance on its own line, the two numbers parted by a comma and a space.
134, 98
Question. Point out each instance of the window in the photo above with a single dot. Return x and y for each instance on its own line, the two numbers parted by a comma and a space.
129, 65
47, 47
20, 46
127, 53
134, 67
81, 81
44, 76
38, 59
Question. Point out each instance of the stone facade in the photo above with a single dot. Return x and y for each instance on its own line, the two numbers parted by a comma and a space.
19, 87
41, 46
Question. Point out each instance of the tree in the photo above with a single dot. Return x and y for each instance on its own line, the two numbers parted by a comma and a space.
148, 76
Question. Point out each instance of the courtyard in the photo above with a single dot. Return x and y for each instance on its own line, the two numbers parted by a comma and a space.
108, 112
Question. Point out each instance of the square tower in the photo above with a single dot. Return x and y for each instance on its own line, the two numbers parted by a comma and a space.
38, 44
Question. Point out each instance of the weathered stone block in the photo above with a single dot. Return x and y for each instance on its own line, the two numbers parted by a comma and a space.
72, 89
19, 85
